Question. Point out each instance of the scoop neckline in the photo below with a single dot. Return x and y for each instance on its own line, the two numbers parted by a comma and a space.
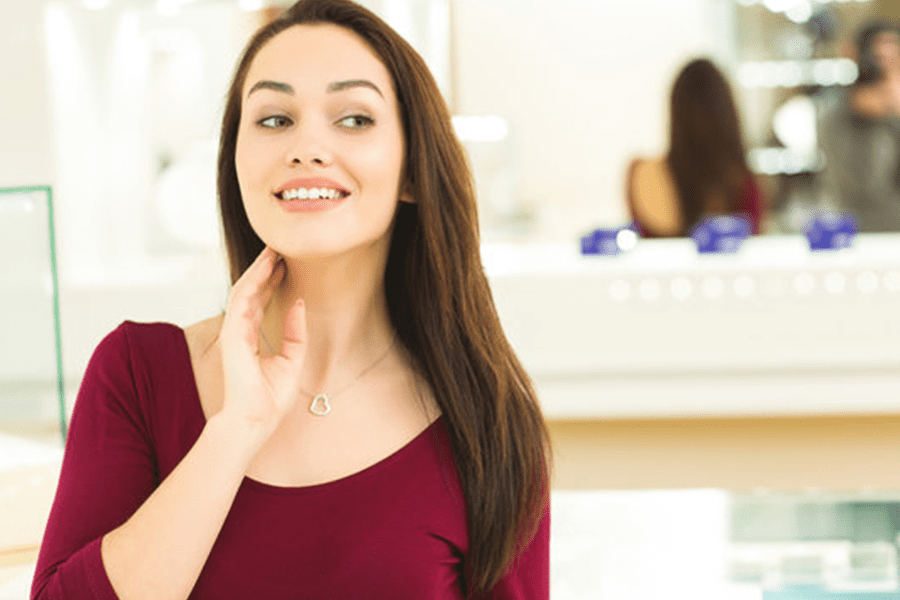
352, 478
251, 483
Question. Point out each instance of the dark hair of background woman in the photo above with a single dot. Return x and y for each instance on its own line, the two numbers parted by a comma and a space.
438, 297
869, 71
706, 154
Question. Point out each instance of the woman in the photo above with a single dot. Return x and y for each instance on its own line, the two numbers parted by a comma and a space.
355, 425
860, 135
705, 171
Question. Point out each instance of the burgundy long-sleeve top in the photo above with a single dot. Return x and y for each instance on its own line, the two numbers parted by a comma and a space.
394, 531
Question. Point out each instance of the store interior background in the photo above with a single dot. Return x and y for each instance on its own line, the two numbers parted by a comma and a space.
742, 448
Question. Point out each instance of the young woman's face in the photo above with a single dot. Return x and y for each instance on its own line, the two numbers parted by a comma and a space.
320, 146
886, 49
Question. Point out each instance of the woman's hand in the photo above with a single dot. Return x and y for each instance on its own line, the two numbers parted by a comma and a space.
260, 392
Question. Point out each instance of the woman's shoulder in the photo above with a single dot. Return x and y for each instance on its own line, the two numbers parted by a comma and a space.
653, 196
652, 163
202, 335
132, 335
131, 355
140, 342
643, 167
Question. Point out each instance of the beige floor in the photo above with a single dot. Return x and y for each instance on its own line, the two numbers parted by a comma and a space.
29, 470
841, 453
25, 498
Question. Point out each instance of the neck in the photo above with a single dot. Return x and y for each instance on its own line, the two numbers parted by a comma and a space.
347, 320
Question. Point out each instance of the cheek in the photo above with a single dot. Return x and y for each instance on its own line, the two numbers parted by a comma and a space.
379, 163
250, 165
240, 160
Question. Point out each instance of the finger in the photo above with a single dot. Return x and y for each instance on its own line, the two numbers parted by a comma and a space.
245, 309
268, 289
249, 312
256, 274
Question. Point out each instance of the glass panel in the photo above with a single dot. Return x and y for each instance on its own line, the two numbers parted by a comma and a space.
31, 389
714, 544
815, 545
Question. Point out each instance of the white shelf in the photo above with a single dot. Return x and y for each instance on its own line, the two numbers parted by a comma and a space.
663, 332
660, 332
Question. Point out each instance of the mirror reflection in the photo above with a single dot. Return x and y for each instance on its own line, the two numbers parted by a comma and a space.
554, 122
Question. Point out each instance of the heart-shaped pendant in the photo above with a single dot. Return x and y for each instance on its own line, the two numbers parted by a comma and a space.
321, 405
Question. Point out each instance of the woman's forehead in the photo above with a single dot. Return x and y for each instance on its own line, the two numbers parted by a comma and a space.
318, 55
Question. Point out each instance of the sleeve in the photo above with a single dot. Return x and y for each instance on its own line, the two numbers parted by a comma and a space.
108, 471
529, 575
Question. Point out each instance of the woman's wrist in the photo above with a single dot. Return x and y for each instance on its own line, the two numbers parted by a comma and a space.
239, 433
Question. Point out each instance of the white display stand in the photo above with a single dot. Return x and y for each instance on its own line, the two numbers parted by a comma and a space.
664, 332
660, 332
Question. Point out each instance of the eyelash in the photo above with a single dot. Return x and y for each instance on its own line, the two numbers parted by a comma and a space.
366, 121
262, 122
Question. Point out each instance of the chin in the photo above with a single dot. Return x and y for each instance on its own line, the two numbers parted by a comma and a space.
332, 247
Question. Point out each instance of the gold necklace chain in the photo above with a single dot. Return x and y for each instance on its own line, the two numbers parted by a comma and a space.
321, 402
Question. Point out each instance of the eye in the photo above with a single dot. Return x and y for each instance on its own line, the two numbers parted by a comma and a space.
276, 122
356, 122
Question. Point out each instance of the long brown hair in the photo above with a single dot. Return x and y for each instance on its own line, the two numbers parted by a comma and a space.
438, 297
706, 153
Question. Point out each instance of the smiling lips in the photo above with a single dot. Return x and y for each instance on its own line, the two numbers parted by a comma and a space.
312, 189
304, 195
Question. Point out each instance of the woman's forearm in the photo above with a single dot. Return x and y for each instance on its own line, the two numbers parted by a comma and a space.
160, 551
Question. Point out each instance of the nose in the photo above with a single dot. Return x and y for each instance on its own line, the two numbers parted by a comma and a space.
309, 148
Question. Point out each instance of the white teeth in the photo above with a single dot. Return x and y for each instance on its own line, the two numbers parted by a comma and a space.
311, 194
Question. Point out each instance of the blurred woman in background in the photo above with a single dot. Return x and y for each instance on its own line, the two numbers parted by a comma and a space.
705, 171
861, 135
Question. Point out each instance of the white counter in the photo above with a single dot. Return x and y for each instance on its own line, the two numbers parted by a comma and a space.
774, 329
660, 332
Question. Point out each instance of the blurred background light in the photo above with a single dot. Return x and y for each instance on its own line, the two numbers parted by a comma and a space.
792, 73
488, 128
95, 4
626, 240
251, 5
167, 8
794, 125
801, 12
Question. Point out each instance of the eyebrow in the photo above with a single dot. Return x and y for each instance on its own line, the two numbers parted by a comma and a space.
336, 86
271, 85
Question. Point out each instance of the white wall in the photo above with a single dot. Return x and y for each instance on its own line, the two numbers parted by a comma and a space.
135, 102
26, 145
